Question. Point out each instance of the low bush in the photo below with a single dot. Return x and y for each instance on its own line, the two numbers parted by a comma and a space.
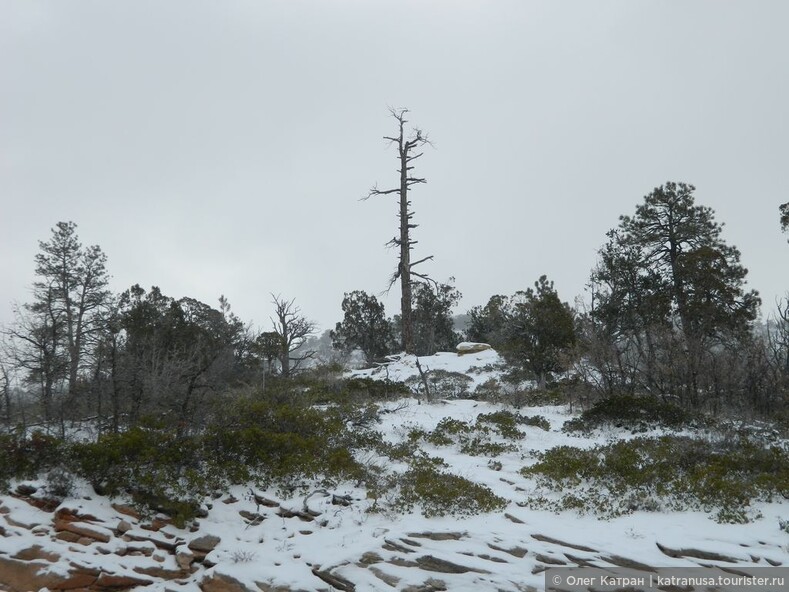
475, 439
439, 493
636, 413
725, 477
506, 423
24, 456
285, 445
354, 391
478, 446
515, 395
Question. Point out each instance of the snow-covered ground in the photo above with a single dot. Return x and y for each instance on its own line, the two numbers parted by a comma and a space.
479, 367
328, 540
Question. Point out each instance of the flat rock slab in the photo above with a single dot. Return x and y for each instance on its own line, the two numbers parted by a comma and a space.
334, 580
36, 552
431, 585
550, 560
547, 539
697, 554
431, 563
512, 518
518, 552
438, 536
391, 545
620, 561
83, 529
385, 577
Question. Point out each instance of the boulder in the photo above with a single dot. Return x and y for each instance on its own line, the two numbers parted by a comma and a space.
204, 544
218, 582
468, 347
184, 557
123, 526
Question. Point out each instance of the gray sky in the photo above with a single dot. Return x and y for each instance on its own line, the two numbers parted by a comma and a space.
223, 147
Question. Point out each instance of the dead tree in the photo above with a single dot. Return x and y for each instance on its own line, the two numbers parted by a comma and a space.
292, 330
407, 148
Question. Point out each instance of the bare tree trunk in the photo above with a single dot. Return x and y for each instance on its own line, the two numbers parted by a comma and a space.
423, 376
6, 382
405, 253
405, 148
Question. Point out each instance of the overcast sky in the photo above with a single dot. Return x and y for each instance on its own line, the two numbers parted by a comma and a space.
223, 147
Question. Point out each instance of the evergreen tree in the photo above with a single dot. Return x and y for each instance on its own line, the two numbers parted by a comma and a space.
531, 329
73, 290
364, 326
55, 337
487, 323
670, 291
540, 328
434, 328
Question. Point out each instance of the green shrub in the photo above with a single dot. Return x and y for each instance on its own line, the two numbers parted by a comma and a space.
25, 457
477, 446
160, 469
447, 432
285, 443
450, 385
685, 473
59, 483
439, 493
506, 423
636, 413
490, 390
355, 391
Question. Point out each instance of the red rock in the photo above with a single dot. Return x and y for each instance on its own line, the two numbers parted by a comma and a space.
69, 537
116, 582
222, 583
73, 515
160, 572
126, 510
84, 530
21, 576
36, 552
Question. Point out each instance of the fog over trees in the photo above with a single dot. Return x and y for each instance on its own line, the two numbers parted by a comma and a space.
668, 315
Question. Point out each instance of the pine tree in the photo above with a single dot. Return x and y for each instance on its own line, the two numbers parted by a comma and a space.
364, 326
669, 286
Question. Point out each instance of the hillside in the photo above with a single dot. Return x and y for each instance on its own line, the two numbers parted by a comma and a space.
456, 508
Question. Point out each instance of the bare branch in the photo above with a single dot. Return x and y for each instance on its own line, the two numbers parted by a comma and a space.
428, 258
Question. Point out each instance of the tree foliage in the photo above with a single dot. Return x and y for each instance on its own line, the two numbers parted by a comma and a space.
669, 294
532, 329
54, 333
169, 353
364, 326
434, 329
